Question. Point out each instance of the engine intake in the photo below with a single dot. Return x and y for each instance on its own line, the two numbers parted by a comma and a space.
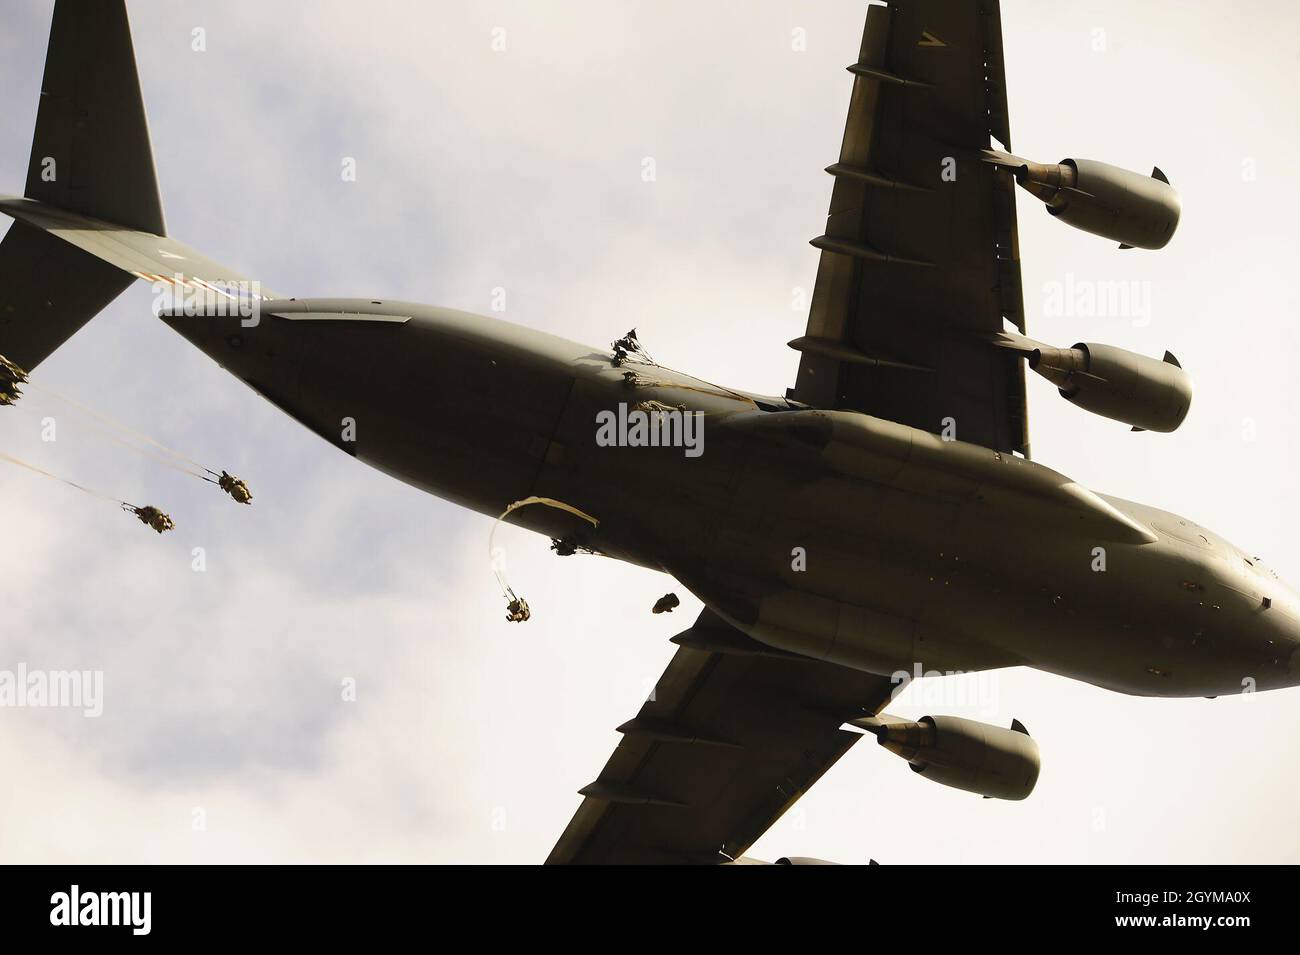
1149, 394
965, 754
1134, 210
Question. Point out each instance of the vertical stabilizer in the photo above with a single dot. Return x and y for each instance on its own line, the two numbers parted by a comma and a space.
91, 153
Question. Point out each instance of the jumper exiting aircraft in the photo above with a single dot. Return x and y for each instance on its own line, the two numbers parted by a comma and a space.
882, 514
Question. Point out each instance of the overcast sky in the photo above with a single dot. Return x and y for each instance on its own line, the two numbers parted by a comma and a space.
521, 169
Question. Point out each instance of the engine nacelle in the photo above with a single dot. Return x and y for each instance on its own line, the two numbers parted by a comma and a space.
1132, 209
1147, 393
802, 860
965, 754
786, 860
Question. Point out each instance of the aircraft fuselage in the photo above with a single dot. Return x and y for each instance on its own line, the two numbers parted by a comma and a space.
829, 534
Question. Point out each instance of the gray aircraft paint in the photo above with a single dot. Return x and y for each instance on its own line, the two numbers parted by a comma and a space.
919, 549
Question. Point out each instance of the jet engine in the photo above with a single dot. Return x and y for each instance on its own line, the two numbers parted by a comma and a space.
1136, 211
965, 754
1148, 394
1132, 209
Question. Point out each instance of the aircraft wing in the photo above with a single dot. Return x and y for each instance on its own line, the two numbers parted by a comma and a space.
732, 736
920, 259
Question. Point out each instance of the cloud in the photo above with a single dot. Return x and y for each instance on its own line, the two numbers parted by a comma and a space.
522, 170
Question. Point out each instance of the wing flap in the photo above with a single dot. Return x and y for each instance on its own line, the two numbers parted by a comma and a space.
728, 742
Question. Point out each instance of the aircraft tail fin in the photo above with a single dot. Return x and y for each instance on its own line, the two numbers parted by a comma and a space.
91, 157
92, 221
91, 153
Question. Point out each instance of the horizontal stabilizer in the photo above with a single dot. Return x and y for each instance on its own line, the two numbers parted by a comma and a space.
48, 290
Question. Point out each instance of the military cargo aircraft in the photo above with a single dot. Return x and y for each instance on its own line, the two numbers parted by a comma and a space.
882, 513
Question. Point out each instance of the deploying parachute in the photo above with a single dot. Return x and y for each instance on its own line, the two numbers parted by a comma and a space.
11, 376
144, 445
148, 514
517, 610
